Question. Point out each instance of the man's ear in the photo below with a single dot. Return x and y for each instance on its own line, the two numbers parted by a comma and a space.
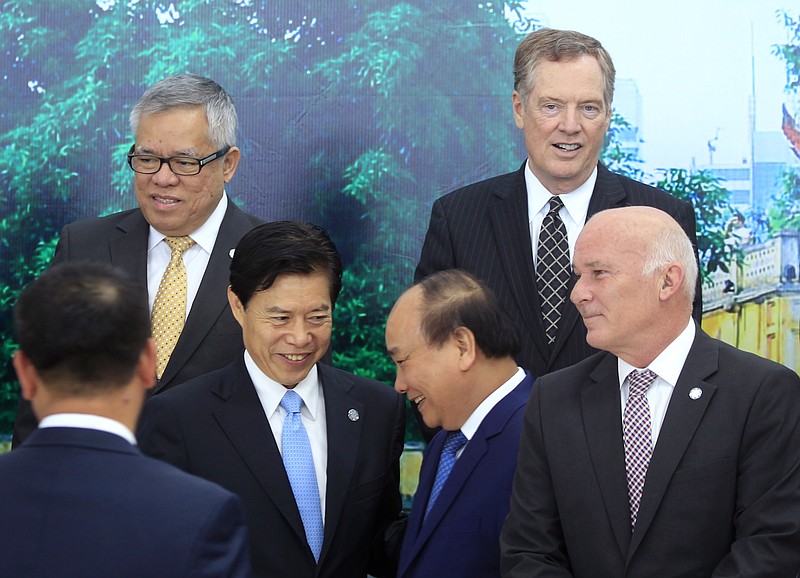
464, 340
236, 306
671, 281
26, 374
146, 368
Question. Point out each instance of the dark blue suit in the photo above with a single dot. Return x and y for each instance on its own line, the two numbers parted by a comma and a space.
460, 537
81, 502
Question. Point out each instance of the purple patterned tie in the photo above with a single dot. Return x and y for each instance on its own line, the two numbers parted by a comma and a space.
637, 436
454, 442
552, 268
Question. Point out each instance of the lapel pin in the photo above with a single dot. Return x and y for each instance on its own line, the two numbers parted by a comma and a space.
231, 253
695, 393
352, 415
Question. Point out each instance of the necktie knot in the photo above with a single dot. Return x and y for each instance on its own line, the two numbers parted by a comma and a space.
454, 442
179, 244
640, 381
291, 401
555, 204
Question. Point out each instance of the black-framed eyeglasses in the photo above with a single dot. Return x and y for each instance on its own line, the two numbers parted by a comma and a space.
183, 166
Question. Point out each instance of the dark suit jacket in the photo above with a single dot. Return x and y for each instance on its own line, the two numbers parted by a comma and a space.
461, 535
722, 492
215, 427
483, 229
79, 502
211, 337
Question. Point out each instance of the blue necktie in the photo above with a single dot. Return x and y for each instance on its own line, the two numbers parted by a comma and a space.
299, 466
454, 442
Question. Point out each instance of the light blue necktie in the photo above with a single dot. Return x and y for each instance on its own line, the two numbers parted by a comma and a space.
454, 442
299, 466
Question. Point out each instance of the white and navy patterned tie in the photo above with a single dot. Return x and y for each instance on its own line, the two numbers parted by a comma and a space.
637, 436
552, 268
299, 464
455, 441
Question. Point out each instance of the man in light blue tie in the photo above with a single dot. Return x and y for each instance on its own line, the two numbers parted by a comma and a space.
312, 451
454, 349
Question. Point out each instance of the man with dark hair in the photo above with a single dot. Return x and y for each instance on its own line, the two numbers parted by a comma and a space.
668, 453
177, 243
454, 349
312, 451
79, 498
516, 231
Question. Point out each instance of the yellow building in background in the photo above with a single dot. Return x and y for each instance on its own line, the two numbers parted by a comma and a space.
756, 306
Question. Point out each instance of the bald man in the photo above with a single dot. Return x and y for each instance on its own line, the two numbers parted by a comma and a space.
668, 453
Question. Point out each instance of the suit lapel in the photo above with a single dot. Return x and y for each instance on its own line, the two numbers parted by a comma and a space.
492, 425
346, 433
412, 541
680, 424
129, 250
211, 298
242, 418
608, 193
602, 416
509, 215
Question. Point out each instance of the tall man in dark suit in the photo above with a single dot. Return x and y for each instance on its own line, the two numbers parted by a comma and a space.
453, 346
667, 454
78, 498
500, 229
231, 426
184, 153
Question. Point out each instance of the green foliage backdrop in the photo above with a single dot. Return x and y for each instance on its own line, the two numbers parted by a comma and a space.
354, 115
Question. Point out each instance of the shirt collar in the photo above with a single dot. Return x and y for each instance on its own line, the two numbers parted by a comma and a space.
89, 421
575, 202
206, 235
270, 392
669, 363
476, 418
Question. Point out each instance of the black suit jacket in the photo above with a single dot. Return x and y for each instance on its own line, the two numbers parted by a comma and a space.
215, 427
483, 229
81, 502
211, 337
722, 492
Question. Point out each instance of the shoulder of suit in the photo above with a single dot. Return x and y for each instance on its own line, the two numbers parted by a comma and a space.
106, 222
481, 189
235, 212
365, 384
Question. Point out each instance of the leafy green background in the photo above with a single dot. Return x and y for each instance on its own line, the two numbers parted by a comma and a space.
354, 115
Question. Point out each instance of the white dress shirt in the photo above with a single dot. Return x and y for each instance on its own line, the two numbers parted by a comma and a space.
312, 414
476, 417
88, 421
573, 213
667, 366
195, 258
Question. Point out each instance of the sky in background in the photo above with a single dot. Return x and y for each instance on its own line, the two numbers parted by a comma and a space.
693, 62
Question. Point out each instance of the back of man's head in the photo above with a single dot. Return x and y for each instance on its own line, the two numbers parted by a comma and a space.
454, 298
83, 327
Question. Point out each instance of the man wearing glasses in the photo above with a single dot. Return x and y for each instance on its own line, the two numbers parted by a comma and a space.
179, 242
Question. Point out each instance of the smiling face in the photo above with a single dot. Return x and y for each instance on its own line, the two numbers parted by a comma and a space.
287, 328
178, 205
564, 121
429, 375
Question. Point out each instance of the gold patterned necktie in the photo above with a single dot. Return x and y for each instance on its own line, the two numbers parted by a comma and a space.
169, 308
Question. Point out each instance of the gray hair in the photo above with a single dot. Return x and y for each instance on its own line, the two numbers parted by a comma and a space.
671, 245
187, 91
555, 46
